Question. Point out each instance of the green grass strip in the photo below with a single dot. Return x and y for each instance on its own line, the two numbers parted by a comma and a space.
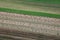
40, 1
29, 13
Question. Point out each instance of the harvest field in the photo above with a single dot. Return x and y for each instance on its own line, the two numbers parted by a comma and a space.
29, 10
29, 20
14, 26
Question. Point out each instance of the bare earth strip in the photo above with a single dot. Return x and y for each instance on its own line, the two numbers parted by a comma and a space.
30, 24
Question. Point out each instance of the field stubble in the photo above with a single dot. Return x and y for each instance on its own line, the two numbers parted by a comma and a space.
29, 24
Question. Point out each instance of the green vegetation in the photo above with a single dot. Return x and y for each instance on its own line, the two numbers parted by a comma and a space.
29, 13
45, 1
40, 1
13, 7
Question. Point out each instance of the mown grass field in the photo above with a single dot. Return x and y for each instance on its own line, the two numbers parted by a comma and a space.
18, 7
13, 7
40, 1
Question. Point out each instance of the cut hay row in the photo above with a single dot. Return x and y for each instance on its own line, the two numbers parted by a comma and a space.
27, 18
33, 24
